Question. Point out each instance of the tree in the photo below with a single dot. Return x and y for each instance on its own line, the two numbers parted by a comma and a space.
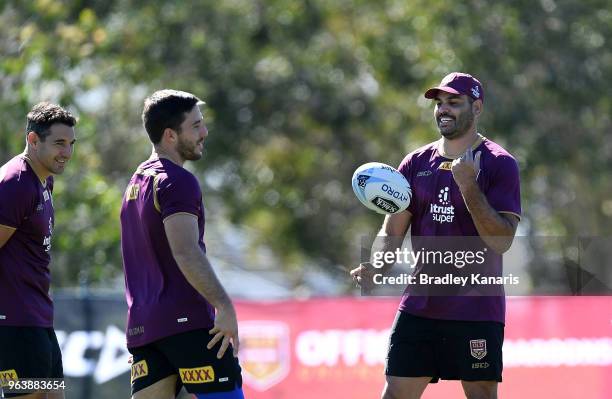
301, 93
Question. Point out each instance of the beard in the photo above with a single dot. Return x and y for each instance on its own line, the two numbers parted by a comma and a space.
460, 126
187, 150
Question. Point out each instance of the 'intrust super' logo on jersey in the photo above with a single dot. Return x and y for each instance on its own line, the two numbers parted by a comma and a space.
443, 213
197, 375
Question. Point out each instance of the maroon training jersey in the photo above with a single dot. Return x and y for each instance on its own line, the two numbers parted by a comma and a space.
161, 302
26, 205
438, 209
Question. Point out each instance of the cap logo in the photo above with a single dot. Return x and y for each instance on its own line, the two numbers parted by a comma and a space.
476, 91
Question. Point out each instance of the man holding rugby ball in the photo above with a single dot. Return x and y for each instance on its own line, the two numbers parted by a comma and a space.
476, 181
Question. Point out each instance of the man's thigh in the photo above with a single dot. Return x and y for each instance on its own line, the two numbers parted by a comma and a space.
161, 389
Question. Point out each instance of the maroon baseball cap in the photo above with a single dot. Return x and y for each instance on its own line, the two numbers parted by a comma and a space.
458, 83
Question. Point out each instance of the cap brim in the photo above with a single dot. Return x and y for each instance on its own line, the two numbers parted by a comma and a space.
433, 92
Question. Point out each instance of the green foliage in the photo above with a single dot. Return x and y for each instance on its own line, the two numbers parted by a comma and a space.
301, 93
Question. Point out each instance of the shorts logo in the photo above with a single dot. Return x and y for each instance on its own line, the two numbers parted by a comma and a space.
197, 375
6, 376
446, 165
478, 348
265, 353
139, 369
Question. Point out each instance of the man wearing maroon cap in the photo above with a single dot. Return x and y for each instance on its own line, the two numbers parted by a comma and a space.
465, 188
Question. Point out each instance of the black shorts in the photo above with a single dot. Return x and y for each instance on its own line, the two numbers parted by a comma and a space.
29, 352
445, 349
186, 355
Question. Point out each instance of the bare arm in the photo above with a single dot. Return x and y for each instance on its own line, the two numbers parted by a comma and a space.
182, 232
390, 237
6, 233
496, 229
392, 233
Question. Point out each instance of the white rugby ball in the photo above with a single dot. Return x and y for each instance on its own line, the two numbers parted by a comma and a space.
381, 188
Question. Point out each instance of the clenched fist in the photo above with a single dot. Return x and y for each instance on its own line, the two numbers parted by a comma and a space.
466, 168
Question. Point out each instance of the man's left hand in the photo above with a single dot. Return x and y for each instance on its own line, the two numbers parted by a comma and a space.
466, 168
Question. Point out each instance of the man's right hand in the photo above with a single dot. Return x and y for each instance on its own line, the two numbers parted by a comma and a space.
225, 329
363, 276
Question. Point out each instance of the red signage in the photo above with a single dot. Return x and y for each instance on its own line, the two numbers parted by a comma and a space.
335, 348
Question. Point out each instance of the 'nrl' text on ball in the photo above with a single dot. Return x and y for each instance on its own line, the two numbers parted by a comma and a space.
385, 204
395, 194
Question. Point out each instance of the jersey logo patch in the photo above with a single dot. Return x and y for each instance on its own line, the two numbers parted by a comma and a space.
6, 376
139, 369
444, 212
197, 375
424, 173
478, 348
132, 191
446, 165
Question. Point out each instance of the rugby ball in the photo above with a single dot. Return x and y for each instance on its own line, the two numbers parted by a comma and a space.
381, 188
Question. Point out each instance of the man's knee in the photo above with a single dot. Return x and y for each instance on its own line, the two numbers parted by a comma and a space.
480, 389
405, 387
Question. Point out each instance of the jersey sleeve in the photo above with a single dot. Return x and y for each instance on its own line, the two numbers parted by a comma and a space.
406, 170
179, 194
504, 193
16, 201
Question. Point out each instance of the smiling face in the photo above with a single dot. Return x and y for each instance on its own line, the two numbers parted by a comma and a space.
54, 150
190, 140
455, 114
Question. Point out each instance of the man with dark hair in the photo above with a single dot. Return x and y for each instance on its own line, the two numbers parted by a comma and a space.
171, 288
466, 190
28, 345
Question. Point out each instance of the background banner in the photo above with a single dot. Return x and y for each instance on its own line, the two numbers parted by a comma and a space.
557, 347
